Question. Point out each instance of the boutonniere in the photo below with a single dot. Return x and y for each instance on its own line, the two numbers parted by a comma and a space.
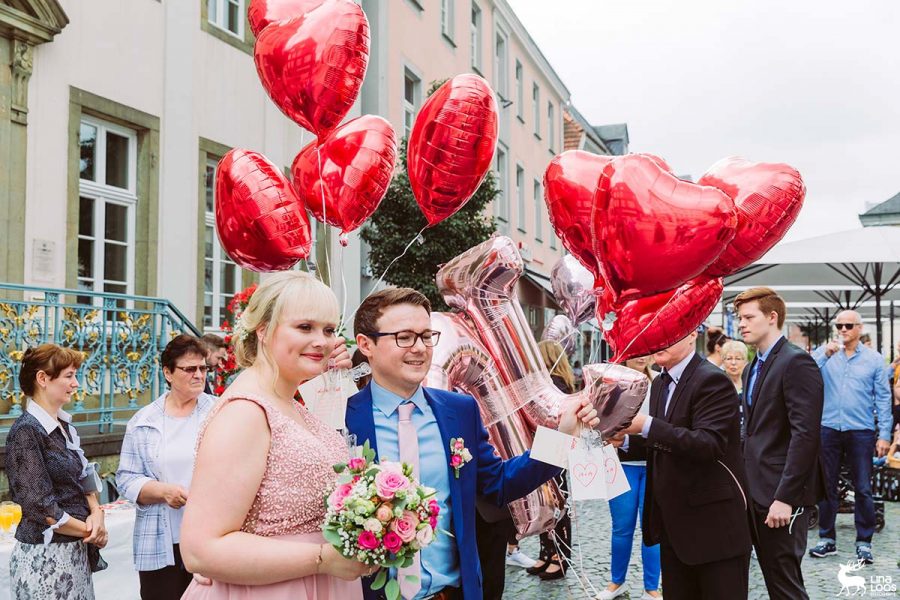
459, 455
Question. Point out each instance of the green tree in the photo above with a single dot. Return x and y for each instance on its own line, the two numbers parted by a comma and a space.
398, 220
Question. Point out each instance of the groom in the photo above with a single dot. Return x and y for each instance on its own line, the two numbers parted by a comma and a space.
402, 420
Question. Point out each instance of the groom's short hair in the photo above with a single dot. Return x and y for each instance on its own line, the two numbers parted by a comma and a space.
372, 308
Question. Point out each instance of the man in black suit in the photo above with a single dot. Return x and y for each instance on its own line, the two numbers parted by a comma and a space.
783, 397
695, 505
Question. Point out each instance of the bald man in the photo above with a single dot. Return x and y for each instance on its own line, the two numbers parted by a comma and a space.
856, 388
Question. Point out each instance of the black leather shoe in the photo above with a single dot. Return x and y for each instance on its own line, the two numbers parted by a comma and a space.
537, 570
554, 575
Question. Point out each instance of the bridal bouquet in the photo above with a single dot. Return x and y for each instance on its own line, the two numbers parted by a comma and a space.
380, 515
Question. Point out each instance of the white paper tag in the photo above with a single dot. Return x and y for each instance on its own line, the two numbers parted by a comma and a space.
616, 482
552, 447
326, 396
587, 480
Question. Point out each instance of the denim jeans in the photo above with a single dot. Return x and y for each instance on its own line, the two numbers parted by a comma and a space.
856, 449
624, 510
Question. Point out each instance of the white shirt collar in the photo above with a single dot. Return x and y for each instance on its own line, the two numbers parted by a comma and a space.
44, 418
678, 370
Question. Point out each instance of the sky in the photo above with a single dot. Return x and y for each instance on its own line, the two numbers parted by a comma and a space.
815, 84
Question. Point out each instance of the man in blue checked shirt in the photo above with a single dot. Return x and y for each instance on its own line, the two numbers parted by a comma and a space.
856, 390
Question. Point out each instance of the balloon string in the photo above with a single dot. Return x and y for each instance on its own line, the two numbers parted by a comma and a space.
647, 326
396, 258
324, 216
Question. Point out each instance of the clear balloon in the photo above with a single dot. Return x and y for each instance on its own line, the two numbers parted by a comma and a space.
357, 162
768, 197
451, 146
649, 324
260, 219
653, 232
313, 66
262, 13
570, 184
561, 330
573, 289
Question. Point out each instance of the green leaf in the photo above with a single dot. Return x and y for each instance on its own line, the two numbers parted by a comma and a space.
380, 580
392, 589
339, 468
332, 537
412, 578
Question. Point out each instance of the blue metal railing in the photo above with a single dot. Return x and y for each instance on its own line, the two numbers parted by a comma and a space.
120, 337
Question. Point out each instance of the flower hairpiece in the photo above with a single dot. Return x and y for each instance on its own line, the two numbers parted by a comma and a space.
240, 330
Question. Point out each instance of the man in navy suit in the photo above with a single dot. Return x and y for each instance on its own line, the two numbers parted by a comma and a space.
393, 330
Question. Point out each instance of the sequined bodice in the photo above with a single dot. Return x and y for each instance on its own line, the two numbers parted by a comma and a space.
298, 472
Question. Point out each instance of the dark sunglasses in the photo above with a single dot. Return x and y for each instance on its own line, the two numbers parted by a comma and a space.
840, 326
194, 368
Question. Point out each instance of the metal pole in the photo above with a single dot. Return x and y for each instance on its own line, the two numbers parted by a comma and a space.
892, 330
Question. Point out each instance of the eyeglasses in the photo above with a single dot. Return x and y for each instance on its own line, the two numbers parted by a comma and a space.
407, 339
194, 368
840, 326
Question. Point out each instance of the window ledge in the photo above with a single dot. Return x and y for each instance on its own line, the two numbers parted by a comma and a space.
522, 229
229, 38
537, 136
477, 70
521, 119
448, 39
416, 4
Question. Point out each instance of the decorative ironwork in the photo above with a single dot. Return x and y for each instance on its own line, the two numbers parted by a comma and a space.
120, 337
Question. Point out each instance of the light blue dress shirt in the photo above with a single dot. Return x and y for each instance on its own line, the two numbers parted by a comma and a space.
761, 357
855, 389
440, 560
675, 373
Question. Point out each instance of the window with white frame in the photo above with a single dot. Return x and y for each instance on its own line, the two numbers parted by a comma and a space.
502, 211
551, 126
221, 276
536, 99
501, 65
475, 41
520, 92
538, 212
520, 197
448, 12
106, 211
412, 97
227, 15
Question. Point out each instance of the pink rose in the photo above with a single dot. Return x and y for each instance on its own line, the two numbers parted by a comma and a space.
433, 507
392, 541
385, 512
455, 460
459, 445
390, 481
367, 540
433, 522
337, 497
405, 526
425, 536
357, 464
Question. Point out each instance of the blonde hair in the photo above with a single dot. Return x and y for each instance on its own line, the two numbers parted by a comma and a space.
555, 358
296, 289
735, 346
646, 371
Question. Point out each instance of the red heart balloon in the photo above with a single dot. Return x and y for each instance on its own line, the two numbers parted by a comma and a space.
261, 221
313, 66
768, 197
647, 325
570, 183
451, 146
651, 231
357, 164
262, 13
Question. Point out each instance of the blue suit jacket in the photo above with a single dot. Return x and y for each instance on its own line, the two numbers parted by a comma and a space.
500, 481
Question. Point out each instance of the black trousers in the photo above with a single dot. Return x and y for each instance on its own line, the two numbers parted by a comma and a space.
728, 578
491, 539
167, 583
779, 552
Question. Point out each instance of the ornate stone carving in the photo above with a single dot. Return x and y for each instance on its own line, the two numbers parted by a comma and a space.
22, 67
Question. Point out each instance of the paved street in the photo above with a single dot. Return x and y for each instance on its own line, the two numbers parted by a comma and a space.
592, 530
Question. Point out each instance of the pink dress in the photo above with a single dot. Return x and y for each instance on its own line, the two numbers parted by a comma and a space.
289, 505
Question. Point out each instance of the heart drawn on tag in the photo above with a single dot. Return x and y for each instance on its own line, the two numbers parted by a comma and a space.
585, 473
611, 470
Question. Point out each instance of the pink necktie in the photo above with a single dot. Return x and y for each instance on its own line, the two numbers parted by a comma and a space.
409, 453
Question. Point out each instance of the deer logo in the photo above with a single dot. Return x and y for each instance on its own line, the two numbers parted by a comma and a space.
857, 582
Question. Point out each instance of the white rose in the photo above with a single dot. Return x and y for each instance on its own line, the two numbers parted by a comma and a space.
373, 525
425, 535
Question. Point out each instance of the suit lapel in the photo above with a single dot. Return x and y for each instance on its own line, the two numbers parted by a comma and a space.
682, 384
656, 398
767, 365
359, 418
447, 423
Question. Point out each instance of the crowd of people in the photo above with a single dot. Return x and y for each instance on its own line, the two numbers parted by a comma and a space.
728, 452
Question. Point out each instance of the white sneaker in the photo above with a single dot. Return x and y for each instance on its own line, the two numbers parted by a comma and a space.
646, 596
608, 595
517, 559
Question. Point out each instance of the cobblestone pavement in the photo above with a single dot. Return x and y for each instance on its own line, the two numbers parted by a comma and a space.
592, 533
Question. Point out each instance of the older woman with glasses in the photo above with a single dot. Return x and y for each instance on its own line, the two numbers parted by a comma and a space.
734, 359
157, 464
